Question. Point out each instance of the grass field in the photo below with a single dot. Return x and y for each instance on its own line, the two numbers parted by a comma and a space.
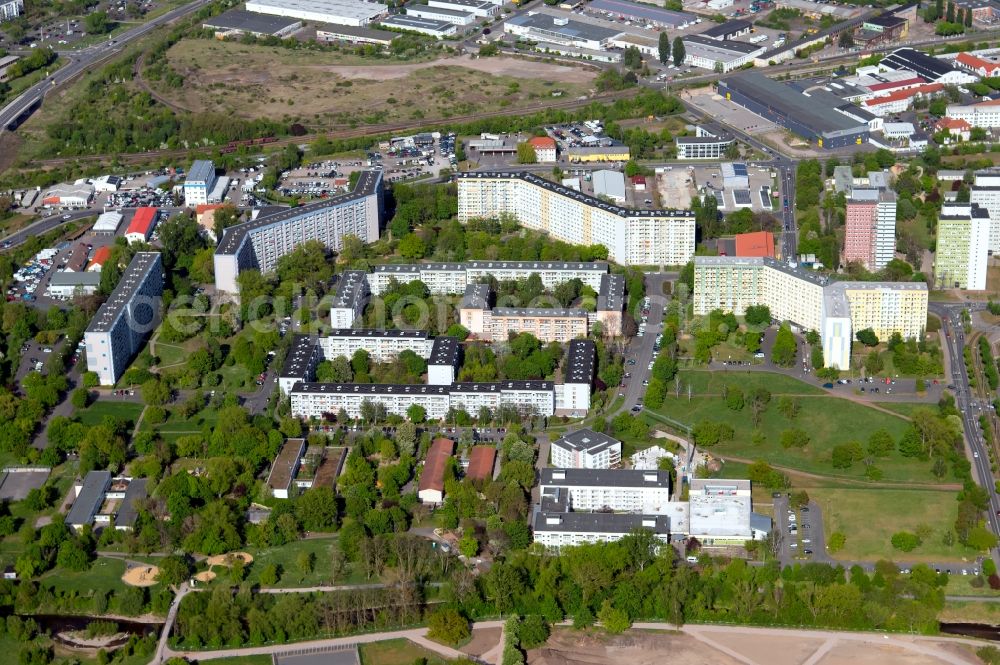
259, 81
869, 517
395, 652
105, 574
828, 421
96, 412
704, 381
285, 557
970, 612
958, 585
903, 408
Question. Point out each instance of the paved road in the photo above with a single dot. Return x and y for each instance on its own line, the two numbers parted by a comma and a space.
44, 225
83, 60
964, 399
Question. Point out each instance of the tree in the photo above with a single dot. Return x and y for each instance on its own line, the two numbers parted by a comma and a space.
96, 23
734, 398
526, 153
678, 51
533, 631
412, 246
836, 542
79, 398
981, 539
468, 546
905, 541
448, 626
785, 348
867, 337
155, 392
613, 619
757, 315
664, 48
794, 438
416, 413
846, 40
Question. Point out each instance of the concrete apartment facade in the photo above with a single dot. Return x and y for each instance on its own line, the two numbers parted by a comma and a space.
632, 237
260, 243
870, 228
836, 310
120, 327
963, 242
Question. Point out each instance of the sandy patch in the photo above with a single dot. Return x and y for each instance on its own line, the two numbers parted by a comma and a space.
205, 576
141, 576
227, 559
515, 67
774, 650
854, 653
482, 641
567, 647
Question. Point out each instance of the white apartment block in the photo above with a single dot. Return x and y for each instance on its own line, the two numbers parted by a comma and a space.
199, 182
120, 327
963, 243
11, 10
381, 345
449, 278
349, 299
555, 529
260, 243
313, 400
985, 192
633, 237
836, 310
586, 449
982, 114
619, 490
573, 395
442, 363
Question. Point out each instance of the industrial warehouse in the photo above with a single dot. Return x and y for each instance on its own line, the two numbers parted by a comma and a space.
817, 117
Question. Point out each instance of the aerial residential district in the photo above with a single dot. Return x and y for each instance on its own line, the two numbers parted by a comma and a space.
351, 332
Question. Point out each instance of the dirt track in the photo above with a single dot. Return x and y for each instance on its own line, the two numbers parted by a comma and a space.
516, 67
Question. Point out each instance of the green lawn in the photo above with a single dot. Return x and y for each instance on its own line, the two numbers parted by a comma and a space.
904, 408
705, 381
869, 517
285, 557
175, 425
105, 574
958, 585
94, 414
396, 652
828, 420
236, 377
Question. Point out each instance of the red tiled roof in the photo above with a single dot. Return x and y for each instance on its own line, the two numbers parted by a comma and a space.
543, 142
101, 254
142, 221
975, 62
481, 462
760, 243
889, 85
897, 95
952, 123
639, 179
432, 477
205, 207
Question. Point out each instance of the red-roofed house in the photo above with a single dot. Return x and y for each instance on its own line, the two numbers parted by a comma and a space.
904, 84
431, 486
978, 65
639, 182
205, 214
760, 243
101, 255
141, 226
545, 148
954, 126
481, 462
900, 100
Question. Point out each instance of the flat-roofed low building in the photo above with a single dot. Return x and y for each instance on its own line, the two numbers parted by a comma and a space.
541, 27
284, 468
586, 449
728, 30
338, 12
354, 35
66, 285
238, 22
430, 489
107, 223
423, 26
717, 55
705, 144
644, 13
120, 327
478, 8
89, 495
443, 14
721, 513
610, 184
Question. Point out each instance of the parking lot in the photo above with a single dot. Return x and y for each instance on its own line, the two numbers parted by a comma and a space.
715, 106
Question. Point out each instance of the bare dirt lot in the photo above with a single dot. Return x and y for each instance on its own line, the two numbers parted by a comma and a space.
483, 640
269, 82
712, 645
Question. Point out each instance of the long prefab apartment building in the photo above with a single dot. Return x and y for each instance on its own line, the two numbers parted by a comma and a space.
445, 278
120, 328
633, 237
260, 243
836, 310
